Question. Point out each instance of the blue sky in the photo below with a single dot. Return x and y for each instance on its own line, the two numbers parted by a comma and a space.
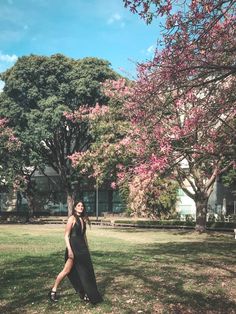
77, 29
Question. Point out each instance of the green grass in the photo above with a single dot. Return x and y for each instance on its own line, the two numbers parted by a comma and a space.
138, 271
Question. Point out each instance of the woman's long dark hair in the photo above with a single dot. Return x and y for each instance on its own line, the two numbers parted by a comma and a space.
83, 215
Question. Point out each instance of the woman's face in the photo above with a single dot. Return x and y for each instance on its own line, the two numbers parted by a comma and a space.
79, 208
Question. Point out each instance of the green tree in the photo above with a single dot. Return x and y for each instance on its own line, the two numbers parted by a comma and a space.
229, 178
38, 91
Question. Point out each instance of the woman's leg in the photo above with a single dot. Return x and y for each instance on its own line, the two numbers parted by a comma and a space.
63, 273
74, 278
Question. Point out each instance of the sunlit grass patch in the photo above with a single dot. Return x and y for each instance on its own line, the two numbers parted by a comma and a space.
138, 271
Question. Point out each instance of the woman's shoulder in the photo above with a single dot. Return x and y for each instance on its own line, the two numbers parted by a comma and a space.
71, 219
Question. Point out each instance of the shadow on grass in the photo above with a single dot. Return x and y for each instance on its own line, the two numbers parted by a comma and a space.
158, 268
172, 273
25, 281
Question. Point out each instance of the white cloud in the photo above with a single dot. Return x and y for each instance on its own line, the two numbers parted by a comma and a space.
7, 58
1, 86
114, 18
151, 50
6, 61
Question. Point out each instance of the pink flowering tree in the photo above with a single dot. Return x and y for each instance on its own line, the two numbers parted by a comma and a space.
183, 105
107, 123
110, 157
9, 147
15, 172
180, 112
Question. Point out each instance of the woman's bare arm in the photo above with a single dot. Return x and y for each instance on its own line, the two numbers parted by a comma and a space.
86, 240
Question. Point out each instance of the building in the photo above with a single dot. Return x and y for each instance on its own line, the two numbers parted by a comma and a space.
50, 197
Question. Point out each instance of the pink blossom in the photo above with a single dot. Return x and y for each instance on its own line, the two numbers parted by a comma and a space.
113, 185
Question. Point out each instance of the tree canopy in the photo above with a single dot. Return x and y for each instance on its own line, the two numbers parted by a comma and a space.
183, 105
9, 148
38, 91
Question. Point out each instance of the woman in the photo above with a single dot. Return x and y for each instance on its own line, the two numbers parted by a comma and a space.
78, 265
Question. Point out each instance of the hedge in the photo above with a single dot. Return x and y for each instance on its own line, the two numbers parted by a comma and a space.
177, 223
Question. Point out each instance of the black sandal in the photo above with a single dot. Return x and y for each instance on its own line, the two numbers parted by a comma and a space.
83, 296
86, 298
52, 296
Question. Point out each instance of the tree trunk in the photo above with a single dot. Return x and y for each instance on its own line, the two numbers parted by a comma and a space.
70, 202
31, 198
201, 214
31, 205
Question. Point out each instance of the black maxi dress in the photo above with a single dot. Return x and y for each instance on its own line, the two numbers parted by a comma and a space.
82, 275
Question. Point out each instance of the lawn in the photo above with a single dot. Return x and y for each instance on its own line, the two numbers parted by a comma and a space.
138, 271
